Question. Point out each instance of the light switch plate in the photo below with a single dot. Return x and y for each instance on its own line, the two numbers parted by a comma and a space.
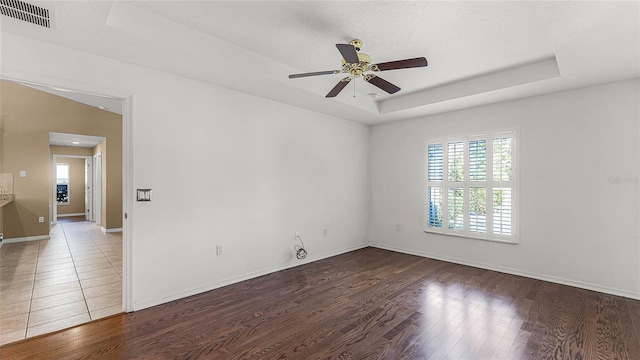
23, 173
144, 195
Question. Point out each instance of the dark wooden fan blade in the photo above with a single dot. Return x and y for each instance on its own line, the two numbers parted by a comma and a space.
348, 53
328, 72
382, 83
339, 86
402, 64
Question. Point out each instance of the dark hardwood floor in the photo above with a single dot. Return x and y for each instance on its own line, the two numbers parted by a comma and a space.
366, 304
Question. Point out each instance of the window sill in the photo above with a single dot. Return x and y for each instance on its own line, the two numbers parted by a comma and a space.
504, 241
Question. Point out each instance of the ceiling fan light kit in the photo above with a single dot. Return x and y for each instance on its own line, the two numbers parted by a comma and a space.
356, 63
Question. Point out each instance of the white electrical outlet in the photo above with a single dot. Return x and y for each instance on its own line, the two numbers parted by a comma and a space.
41, 219
219, 250
397, 227
324, 231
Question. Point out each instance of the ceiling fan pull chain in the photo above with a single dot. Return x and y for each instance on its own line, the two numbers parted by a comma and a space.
354, 89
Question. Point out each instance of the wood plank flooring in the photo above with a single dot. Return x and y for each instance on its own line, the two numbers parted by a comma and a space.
366, 304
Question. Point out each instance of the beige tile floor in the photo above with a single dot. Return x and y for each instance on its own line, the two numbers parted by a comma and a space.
48, 285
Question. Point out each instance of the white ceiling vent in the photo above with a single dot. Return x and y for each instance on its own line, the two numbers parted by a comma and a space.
26, 12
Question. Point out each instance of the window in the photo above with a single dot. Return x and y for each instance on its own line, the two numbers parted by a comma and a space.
62, 184
471, 187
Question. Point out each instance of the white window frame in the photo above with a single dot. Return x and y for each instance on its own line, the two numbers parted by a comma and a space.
64, 181
466, 184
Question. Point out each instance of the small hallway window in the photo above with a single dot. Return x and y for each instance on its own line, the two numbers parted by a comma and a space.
62, 184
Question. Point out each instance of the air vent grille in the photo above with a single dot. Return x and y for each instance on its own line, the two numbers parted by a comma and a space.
26, 12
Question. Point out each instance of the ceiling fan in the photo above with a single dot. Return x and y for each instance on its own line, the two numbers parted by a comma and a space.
356, 64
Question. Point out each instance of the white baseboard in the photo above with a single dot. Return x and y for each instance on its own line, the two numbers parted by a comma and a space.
26, 238
235, 279
506, 270
105, 230
73, 214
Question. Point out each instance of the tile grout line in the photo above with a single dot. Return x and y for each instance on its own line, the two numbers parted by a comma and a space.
76, 270
83, 227
110, 263
78, 279
103, 254
33, 289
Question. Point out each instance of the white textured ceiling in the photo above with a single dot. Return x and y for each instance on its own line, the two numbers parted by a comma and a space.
479, 52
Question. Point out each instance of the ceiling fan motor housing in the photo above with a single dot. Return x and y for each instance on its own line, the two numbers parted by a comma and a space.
356, 69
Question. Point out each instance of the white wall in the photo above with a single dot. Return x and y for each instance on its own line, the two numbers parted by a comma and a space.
225, 168
232, 169
579, 225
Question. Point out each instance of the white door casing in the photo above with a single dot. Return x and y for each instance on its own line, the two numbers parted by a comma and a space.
88, 187
97, 189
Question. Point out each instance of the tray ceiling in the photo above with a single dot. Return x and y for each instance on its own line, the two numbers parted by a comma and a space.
478, 52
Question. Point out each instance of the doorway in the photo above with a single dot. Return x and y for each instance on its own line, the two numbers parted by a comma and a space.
66, 187
74, 149
93, 178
